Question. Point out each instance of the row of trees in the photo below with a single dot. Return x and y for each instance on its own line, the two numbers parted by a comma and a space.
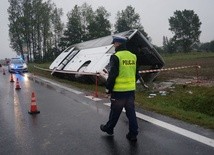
209, 46
36, 27
85, 24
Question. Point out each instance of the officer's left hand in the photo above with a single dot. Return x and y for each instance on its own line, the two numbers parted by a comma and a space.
107, 91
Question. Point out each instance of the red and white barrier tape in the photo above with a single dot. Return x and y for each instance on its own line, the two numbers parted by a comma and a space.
98, 74
168, 69
68, 72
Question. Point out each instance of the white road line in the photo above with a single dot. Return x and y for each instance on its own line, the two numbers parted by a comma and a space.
66, 88
93, 98
58, 85
178, 130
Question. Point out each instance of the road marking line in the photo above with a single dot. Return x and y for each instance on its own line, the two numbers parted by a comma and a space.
58, 85
181, 131
66, 88
108, 104
93, 98
178, 130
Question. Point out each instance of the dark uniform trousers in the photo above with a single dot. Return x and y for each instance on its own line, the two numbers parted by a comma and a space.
117, 104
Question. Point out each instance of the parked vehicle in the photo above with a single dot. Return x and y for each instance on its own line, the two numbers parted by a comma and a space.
91, 57
17, 65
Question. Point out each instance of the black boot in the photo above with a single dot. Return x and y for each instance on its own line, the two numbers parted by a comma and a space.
131, 137
104, 129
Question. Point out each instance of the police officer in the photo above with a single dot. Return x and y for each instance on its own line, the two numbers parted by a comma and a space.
121, 84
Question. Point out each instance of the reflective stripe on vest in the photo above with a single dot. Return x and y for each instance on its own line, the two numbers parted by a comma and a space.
126, 80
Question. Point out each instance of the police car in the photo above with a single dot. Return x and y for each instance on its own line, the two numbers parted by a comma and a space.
17, 65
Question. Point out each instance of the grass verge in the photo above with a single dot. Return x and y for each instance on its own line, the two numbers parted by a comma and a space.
192, 104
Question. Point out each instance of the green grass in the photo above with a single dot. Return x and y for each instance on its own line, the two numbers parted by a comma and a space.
193, 104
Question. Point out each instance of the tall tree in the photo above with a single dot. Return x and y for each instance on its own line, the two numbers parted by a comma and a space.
30, 27
127, 19
99, 26
46, 28
27, 26
87, 16
73, 32
15, 25
186, 28
85, 24
57, 29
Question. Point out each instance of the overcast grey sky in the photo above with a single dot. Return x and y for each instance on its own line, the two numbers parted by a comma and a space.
154, 16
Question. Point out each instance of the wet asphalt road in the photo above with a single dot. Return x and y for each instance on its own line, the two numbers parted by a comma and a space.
69, 122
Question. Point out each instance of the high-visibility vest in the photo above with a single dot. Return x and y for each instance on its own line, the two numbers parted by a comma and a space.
126, 80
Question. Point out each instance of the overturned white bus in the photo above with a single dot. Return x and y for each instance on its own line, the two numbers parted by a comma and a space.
84, 60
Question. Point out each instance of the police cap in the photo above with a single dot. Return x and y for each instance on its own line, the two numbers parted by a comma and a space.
119, 39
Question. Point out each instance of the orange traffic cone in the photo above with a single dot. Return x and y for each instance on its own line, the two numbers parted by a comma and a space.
33, 107
17, 84
11, 78
4, 72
